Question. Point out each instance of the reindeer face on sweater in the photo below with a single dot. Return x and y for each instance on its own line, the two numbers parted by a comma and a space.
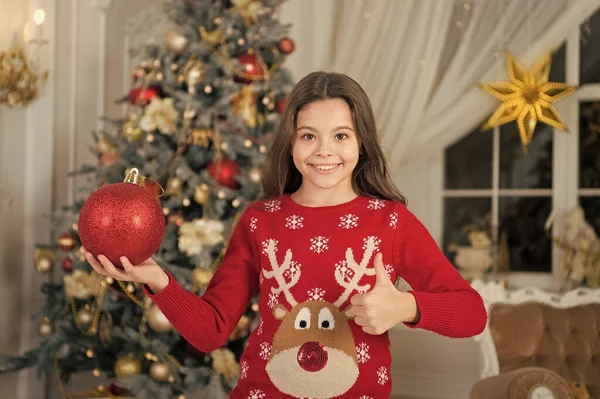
314, 345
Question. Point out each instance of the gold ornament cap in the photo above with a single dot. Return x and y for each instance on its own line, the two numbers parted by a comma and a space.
133, 176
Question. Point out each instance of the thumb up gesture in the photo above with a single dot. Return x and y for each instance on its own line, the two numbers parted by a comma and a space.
384, 306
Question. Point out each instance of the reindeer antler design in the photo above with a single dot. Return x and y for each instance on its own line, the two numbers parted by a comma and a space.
278, 271
359, 271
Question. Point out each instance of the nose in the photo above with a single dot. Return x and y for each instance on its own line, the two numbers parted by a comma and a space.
312, 356
324, 149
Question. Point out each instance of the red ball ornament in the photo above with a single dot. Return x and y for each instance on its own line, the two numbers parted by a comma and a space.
143, 95
67, 266
122, 219
66, 242
249, 65
286, 45
224, 172
312, 356
281, 105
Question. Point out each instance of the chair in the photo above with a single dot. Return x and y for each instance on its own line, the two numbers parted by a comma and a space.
539, 345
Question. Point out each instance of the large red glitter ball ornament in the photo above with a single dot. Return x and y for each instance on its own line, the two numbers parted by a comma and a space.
122, 219
249, 65
224, 172
312, 356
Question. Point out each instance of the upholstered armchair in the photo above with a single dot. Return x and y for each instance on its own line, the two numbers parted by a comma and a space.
539, 345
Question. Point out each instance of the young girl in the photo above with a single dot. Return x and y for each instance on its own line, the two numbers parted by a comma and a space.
323, 247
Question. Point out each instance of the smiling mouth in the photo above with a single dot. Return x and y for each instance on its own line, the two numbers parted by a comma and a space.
326, 168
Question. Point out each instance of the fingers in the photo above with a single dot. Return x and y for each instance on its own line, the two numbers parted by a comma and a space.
112, 270
358, 299
126, 265
95, 264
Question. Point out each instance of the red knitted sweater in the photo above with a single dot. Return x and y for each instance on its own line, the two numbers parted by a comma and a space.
306, 263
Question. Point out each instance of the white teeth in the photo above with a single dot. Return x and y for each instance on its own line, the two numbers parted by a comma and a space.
326, 167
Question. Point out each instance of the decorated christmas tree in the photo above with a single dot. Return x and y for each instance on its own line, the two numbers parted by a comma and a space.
201, 112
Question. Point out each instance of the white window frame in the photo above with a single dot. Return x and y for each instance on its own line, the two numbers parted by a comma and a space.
565, 191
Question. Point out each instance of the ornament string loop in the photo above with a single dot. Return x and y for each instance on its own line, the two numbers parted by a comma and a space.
133, 176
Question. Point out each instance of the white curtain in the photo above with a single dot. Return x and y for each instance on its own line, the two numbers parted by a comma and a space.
421, 61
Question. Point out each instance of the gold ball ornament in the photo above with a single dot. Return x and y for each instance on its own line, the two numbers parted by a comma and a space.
194, 71
44, 263
45, 328
132, 131
157, 319
176, 42
160, 371
103, 146
202, 276
84, 317
174, 187
201, 194
127, 365
255, 174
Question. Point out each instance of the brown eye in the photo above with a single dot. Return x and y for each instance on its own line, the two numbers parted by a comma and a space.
341, 136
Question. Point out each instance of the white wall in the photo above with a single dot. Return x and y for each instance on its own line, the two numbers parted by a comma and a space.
26, 176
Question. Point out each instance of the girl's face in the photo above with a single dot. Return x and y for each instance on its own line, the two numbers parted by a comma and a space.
326, 148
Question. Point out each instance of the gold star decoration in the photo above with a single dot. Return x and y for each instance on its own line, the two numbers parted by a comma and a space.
527, 97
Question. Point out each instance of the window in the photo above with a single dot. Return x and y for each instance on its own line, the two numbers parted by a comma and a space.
488, 174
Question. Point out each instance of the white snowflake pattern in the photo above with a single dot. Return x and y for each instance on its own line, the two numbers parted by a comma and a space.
389, 269
382, 375
362, 353
291, 270
256, 394
265, 244
272, 206
348, 221
319, 244
244, 369
346, 272
376, 204
365, 397
294, 222
316, 294
260, 328
265, 350
261, 279
394, 220
376, 241
273, 299
253, 222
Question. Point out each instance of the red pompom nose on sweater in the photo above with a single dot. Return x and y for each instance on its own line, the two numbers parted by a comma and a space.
312, 356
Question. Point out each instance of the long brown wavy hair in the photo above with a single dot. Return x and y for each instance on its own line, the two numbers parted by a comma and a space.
370, 177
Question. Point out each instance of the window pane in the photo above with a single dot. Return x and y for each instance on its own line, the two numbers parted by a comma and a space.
461, 212
522, 219
520, 170
589, 145
589, 66
469, 162
591, 210
557, 69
